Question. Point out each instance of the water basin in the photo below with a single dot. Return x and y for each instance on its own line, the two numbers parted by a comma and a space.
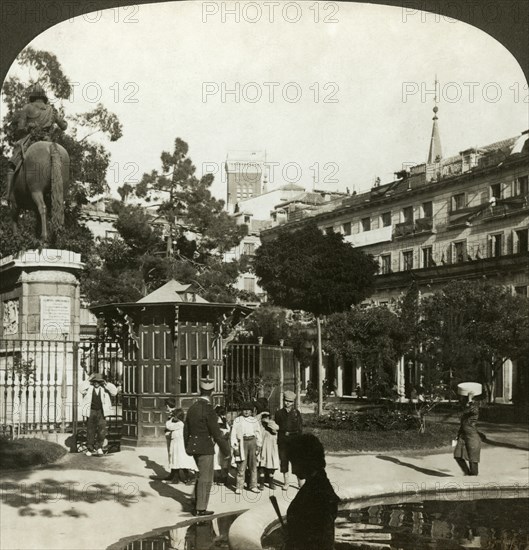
440, 523
190, 535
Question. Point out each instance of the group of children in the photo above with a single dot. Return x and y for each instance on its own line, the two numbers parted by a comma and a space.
253, 442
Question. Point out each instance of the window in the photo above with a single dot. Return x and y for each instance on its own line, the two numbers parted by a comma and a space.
247, 219
110, 234
329, 230
521, 241
347, 228
249, 249
183, 379
495, 191
386, 219
427, 209
407, 214
458, 202
521, 186
460, 251
495, 245
427, 257
407, 260
521, 290
385, 264
366, 224
249, 284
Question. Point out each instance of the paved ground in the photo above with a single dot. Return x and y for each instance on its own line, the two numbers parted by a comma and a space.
91, 503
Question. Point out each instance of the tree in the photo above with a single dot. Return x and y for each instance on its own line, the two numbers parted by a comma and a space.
375, 337
315, 272
193, 213
200, 230
468, 330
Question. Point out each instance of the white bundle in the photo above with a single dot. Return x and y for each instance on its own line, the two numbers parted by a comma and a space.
469, 387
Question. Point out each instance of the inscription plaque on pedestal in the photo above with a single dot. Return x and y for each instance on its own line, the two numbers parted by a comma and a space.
55, 316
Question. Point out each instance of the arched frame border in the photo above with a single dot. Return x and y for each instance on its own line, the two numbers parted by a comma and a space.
505, 20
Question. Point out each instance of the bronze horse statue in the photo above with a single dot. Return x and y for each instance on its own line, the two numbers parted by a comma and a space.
41, 183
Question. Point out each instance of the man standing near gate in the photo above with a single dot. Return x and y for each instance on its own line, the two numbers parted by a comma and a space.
201, 430
96, 406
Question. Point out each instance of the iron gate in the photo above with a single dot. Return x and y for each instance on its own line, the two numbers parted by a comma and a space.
253, 369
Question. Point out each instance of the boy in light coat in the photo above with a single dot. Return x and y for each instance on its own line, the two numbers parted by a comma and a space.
246, 442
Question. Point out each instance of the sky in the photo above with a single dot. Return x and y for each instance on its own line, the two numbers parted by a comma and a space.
336, 94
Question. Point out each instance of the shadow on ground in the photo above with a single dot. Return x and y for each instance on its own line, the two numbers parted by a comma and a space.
164, 489
503, 444
427, 471
39, 499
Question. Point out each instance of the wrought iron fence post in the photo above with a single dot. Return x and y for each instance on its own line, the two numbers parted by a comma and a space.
75, 389
281, 372
64, 385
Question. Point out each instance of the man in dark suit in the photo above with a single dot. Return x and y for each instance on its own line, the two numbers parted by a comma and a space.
201, 429
290, 424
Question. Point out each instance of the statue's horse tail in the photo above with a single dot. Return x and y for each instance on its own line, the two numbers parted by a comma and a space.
57, 192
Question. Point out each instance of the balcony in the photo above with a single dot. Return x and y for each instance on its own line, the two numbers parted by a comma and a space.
403, 229
506, 207
424, 225
461, 216
421, 225
366, 238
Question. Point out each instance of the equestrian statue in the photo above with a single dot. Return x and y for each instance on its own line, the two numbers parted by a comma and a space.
39, 169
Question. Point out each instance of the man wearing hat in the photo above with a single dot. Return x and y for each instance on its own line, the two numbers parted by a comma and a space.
468, 445
96, 405
35, 122
290, 424
201, 430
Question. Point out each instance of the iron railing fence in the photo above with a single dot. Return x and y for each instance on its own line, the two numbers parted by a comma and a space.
39, 382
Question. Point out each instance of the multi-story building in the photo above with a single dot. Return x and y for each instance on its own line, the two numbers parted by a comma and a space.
462, 217
269, 209
246, 176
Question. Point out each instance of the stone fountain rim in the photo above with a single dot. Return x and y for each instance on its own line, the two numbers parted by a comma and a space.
248, 529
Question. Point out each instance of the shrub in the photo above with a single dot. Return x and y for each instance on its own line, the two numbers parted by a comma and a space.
22, 453
383, 419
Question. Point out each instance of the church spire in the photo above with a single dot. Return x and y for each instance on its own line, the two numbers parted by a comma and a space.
436, 153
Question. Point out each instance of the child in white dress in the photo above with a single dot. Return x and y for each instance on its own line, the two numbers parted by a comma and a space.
181, 464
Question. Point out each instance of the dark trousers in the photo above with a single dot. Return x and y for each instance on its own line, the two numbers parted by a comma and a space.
283, 455
96, 430
204, 480
471, 470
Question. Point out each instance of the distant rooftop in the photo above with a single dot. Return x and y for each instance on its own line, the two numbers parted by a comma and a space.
246, 156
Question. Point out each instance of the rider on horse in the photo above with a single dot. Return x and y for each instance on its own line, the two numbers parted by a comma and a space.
35, 122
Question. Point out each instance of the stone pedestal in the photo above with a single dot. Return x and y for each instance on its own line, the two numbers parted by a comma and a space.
40, 295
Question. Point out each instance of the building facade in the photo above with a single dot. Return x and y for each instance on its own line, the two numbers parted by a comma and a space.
463, 217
